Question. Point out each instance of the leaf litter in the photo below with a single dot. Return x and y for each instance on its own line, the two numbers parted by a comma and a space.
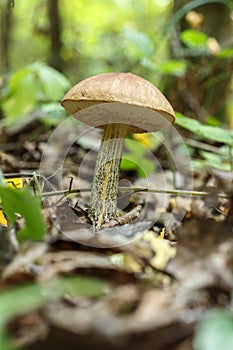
157, 280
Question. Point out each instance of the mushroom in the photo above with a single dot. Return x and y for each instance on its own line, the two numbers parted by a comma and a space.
118, 103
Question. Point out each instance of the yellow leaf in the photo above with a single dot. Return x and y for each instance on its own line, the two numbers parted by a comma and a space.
163, 251
3, 220
143, 139
162, 233
16, 182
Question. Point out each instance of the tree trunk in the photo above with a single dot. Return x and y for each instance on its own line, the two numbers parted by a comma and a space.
5, 31
5, 34
55, 60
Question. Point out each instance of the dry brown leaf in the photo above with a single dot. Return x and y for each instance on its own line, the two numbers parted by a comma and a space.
204, 254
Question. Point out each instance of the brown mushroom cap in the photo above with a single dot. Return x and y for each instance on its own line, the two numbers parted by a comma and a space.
119, 98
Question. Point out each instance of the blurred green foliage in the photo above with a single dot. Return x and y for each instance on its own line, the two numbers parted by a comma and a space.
102, 36
215, 331
195, 39
21, 202
32, 296
139, 156
223, 159
97, 36
36, 86
205, 131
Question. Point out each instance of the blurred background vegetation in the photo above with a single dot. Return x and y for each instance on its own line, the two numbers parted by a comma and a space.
183, 47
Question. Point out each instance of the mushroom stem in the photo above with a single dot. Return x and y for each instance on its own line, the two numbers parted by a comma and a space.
106, 178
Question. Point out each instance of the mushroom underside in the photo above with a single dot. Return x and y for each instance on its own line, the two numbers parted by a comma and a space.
138, 118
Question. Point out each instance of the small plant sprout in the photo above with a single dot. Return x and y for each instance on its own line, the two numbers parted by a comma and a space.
118, 103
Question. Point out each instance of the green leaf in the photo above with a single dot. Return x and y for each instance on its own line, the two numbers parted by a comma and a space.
194, 39
5, 342
142, 165
226, 53
212, 121
21, 94
85, 286
216, 160
146, 167
212, 157
207, 132
127, 164
32, 296
22, 202
136, 159
140, 40
23, 299
52, 113
53, 84
202, 163
215, 332
31, 86
135, 147
173, 67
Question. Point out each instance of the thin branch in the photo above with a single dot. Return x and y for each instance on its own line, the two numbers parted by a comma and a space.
139, 189
202, 145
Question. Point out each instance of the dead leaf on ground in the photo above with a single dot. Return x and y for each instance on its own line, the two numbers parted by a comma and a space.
204, 254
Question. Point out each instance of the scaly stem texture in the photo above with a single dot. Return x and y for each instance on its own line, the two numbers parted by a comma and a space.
106, 178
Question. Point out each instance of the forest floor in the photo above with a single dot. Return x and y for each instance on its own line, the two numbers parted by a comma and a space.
156, 279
